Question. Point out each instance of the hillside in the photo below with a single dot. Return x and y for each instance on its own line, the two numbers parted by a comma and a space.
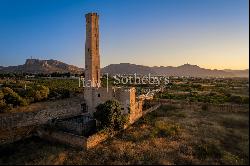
42, 66
183, 70
50, 66
127, 68
239, 73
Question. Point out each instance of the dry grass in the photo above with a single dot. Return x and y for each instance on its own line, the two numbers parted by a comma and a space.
166, 136
60, 103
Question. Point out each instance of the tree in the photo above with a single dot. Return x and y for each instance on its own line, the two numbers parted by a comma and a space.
110, 116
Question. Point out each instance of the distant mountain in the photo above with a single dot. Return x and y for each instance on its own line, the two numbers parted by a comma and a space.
239, 73
183, 70
42, 66
191, 70
127, 68
50, 66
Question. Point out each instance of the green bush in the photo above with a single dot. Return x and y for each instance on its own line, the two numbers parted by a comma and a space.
12, 97
41, 93
163, 128
29, 94
37, 93
110, 116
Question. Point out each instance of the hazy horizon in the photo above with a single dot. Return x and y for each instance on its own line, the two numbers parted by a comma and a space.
137, 64
212, 34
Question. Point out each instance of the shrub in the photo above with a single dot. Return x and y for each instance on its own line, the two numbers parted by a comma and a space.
41, 93
1, 94
3, 106
162, 128
121, 121
206, 150
110, 116
231, 159
37, 93
235, 99
149, 119
12, 97
245, 100
59, 93
65, 93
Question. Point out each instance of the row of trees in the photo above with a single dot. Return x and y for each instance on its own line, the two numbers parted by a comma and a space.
38, 75
10, 98
206, 98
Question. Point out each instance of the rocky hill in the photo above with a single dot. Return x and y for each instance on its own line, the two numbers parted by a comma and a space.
42, 66
183, 70
50, 66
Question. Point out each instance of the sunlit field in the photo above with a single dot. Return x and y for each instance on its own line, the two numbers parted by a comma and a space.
167, 136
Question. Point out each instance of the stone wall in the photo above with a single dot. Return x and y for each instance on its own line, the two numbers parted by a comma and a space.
95, 139
73, 140
86, 142
151, 109
24, 119
63, 137
79, 125
96, 96
135, 112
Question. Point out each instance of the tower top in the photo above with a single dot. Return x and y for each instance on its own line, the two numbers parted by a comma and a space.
91, 14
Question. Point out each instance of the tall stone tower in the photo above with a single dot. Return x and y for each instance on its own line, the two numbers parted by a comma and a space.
92, 57
94, 94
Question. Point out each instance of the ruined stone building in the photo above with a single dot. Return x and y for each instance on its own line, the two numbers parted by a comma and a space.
73, 125
94, 94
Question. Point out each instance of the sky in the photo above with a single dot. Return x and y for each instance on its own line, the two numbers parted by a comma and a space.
210, 33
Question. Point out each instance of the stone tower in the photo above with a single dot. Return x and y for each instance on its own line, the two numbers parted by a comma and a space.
94, 94
92, 57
